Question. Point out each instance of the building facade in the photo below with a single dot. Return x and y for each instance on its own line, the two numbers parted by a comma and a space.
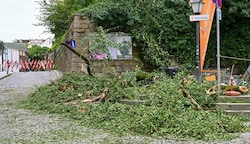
39, 42
12, 56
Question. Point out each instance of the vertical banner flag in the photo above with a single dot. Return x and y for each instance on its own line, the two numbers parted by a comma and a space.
205, 28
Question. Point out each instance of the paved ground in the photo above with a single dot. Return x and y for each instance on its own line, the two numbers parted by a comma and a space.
24, 127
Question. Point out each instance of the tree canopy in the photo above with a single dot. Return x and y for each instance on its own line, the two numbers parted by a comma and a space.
37, 53
57, 14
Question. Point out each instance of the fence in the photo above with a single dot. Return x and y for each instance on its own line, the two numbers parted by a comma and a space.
27, 65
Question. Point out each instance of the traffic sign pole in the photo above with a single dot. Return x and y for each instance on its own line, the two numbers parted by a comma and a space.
218, 46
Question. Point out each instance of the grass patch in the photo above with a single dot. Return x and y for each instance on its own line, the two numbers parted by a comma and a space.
166, 113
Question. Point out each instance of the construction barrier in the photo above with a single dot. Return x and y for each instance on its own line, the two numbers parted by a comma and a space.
33, 65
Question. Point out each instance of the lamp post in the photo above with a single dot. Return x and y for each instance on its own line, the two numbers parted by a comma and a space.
197, 6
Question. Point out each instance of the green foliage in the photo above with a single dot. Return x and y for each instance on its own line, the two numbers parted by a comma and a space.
57, 14
157, 38
159, 28
239, 8
54, 16
37, 53
166, 113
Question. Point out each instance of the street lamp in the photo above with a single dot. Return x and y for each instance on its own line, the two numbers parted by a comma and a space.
197, 6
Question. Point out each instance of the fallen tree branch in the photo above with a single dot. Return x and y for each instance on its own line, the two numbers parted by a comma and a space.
212, 91
72, 103
99, 98
84, 70
80, 55
191, 98
186, 93
74, 98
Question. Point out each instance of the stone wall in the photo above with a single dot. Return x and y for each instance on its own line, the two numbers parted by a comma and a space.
68, 61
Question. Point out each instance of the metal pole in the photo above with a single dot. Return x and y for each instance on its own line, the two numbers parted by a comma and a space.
2, 54
218, 48
6, 57
198, 72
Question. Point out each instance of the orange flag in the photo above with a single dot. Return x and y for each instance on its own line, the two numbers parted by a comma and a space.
205, 28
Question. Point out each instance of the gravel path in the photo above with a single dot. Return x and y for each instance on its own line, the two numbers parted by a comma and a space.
26, 127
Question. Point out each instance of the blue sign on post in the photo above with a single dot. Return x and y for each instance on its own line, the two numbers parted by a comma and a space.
219, 17
73, 43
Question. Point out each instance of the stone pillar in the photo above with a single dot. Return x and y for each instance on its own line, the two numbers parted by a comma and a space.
80, 27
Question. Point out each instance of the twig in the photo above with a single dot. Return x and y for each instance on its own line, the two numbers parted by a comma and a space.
72, 103
74, 97
191, 98
99, 98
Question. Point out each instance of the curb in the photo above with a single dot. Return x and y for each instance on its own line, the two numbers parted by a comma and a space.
5, 76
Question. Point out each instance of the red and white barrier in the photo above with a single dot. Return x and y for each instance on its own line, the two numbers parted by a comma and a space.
34, 65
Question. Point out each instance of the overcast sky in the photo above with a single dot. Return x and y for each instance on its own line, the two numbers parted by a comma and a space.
17, 20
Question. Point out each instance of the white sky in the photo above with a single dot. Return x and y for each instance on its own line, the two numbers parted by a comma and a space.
17, 20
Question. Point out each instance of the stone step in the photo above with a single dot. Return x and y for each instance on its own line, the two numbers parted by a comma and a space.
234, 106
232, 99
237, 112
